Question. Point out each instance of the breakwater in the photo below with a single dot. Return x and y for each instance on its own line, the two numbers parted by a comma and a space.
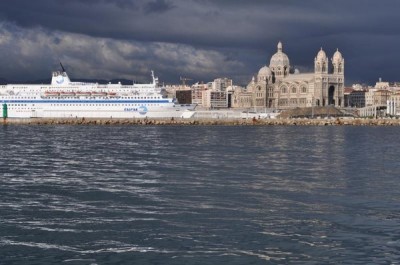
206, 122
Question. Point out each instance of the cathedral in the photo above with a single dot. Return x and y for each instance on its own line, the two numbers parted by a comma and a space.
277, 86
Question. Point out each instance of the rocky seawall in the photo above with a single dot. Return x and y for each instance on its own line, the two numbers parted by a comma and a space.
206, 122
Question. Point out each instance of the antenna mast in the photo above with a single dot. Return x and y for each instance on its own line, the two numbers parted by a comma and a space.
62, 67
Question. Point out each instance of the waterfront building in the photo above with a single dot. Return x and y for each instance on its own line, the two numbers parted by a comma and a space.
184, 96
381, 85
221, 84
277, 86
393, 104
376, 97
171, 90
213, 95
215, 99
392, 86
383, 96
354, 97
197, 93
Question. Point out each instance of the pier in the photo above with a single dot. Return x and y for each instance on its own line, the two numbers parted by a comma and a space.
206, 122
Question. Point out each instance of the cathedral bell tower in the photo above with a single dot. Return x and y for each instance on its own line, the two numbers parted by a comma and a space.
338, 63
338, 75
321, 63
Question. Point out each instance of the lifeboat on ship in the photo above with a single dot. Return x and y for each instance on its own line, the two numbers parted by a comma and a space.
67, 94
98, 94
83, 93
51, 94
112, 94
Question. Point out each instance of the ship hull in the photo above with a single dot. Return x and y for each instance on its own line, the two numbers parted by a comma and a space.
61, 109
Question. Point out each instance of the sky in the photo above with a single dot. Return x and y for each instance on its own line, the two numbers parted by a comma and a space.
196, 39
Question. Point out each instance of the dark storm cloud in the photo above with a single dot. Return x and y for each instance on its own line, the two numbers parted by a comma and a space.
158, 6
241, 34
29, 54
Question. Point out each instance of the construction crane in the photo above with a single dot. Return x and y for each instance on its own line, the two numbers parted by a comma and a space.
184, 79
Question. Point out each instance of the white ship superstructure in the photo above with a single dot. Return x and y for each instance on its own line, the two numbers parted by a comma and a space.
65, 99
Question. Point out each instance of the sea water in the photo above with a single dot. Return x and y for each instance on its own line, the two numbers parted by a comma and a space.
199, 195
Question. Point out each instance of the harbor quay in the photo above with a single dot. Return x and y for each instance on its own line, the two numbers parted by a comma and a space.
342, 121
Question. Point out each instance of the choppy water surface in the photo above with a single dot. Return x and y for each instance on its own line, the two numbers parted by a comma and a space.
199, 195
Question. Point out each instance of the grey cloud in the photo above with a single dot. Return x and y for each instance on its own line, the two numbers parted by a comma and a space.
119, 3
36, 52
242, 31
158, 6
230, 23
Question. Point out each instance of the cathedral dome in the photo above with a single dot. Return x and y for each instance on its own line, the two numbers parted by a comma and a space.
264, 71
321, 56
279, 58
337, 56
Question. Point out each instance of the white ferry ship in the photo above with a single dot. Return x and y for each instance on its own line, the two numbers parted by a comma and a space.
64, 99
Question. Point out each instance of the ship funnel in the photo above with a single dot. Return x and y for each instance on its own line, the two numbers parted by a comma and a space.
60, 78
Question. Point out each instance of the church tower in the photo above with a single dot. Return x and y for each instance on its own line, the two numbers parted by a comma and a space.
321, 63
338, 63
338, 75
